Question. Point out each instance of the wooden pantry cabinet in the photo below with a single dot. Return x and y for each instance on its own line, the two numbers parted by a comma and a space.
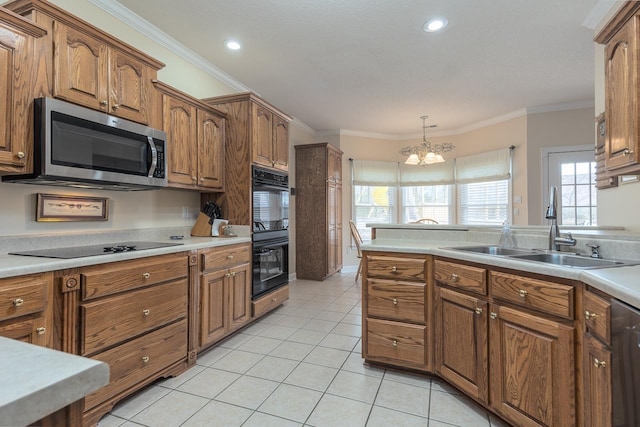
318, 211
621, 37
397, 320
17, 48
225, 291
256, 134
507, 340
84, 65
196, 138
133, 315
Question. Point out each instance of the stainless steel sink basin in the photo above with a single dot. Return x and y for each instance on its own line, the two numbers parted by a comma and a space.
575, 261
491, 250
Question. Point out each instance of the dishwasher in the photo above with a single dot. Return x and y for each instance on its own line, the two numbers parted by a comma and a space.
625, 363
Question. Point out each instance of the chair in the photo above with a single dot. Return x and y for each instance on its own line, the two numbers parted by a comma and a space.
358, 240
425, 221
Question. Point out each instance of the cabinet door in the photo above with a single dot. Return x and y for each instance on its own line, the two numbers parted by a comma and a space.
597, 383
332, 232
532, 369
239, 296
129, 87
280, 143
621, 97
338, 244
461, 344
213, 307
211, 130
179, 119
26, 329
262, 135
80, 68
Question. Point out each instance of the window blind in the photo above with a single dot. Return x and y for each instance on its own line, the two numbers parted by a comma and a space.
375, 173
483, 202
436, 174
489, 166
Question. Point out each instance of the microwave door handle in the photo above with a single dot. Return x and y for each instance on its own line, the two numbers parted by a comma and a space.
154, 156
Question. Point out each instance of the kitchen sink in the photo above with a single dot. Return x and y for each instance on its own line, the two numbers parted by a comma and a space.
491, 250
555, 258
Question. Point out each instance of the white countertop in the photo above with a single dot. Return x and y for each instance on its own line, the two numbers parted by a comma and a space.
620, 282
38, 381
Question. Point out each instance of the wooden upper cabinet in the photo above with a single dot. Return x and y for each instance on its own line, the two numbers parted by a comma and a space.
84, 65
622, 39
195, 134
270, 138
281, 143
16, 111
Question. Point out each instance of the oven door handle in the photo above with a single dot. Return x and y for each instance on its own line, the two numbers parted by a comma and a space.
259, 186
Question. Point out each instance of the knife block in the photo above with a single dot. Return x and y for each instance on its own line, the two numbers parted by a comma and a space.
202, 227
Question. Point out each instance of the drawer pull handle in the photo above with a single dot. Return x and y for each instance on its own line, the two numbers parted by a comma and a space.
40, 331
115, 107
233, 273
493, 315
627, 152
395, 301
103, 102
274, 299
588, 315
478, 310
454, 277
18, 302
146, 312
146, 275
522, 293
20, 154
227, 275
394, 269
599, 363
145, 359
229, 256
395, 343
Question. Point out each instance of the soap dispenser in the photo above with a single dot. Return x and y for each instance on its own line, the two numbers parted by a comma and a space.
506, 238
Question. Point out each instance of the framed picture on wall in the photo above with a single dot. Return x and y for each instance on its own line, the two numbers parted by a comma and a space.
55, 208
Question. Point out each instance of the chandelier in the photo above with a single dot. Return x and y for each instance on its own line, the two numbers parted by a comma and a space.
426, 153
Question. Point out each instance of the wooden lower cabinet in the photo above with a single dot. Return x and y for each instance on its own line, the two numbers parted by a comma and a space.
268, 302
461, 342
532, 367
597, 383
225, 292
396, 343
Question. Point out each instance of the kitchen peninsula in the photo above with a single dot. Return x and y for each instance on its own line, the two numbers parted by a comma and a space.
488, 323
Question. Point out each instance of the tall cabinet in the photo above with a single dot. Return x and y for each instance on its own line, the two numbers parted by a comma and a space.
318, 211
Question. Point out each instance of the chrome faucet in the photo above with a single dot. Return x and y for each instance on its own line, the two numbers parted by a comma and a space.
555, 240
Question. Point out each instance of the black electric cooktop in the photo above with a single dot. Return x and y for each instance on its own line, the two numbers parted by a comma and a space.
93, 250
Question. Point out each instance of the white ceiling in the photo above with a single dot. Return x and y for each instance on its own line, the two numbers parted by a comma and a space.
366, 65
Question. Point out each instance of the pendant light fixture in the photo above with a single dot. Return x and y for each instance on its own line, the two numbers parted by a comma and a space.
426, 153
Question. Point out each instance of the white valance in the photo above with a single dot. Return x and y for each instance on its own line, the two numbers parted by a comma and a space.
489, 166
375, 173
435, 174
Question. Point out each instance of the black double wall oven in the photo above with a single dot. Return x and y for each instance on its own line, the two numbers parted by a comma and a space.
270, 219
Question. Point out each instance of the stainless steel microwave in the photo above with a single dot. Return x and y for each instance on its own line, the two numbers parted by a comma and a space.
79, 147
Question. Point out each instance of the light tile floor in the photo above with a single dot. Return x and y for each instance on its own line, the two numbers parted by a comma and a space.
299, 365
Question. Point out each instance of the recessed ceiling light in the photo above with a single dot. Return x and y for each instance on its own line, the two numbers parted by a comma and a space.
434, 24
232, 44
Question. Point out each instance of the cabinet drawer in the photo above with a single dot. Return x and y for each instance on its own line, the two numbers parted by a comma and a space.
472, 279
22, 295
400, 344
269, 302
108, 279
225, 257
400, 268
402, 301
548, 297
597, 316
111, 320
139, 359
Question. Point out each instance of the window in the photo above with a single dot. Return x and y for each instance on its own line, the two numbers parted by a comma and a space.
426, 201
578, 193
483, 202
374, 204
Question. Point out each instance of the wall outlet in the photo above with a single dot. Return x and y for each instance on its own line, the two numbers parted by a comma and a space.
186, 212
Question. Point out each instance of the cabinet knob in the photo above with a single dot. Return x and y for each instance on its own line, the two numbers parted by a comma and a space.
493, 315
478, 310
145, 359
229, 256
274, 299
18, 302
103, 102
454, 277
395, 301
394, 269
227, 275
599, 363
114, 107
627, 152
146, 275
201, 179
194, 179
395, 343
20, 154
146, 312
41, 331
588, 315
233, 273
522, 293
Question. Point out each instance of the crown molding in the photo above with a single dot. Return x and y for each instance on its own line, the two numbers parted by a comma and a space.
598, 13
308, 129
154, 33
560, 107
